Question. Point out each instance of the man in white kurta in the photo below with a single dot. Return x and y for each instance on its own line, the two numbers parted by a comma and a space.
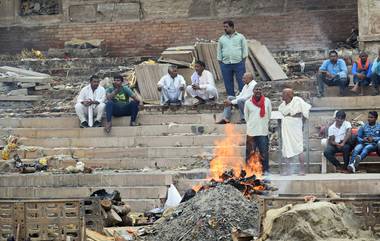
171, 87
90, 104
202, 84
294, 109
257, 112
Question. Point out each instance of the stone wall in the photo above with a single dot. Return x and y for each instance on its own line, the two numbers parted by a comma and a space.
146, 27
369, 25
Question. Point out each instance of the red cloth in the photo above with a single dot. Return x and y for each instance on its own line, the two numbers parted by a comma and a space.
260, 104
360, 65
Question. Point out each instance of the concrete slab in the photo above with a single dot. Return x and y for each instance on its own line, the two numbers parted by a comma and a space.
126, 179
347, 102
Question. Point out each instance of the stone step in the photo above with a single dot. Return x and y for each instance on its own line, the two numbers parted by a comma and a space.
333, 91
313, 183
139, 141
73, 122
347, 102
112, 179
152, 192
121, 131
136, 152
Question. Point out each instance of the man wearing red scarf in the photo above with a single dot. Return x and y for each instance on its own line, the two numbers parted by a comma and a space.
257, 113
361, 70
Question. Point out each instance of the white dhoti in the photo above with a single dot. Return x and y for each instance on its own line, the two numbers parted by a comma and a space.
291, 127
84, 112
208, 93
171, 95
292, 136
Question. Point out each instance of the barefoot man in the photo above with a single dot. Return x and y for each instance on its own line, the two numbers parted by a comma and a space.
294, 109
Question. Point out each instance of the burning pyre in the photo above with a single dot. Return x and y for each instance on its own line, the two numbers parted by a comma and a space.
229, 168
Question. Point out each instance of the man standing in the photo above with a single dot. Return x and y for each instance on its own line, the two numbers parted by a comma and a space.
172, 87
368, 139
339, 141
294, 109
333, 72
375, 75
239, 100
361, 70
203, 85
257, 112
118, 103
231, 54
90, 102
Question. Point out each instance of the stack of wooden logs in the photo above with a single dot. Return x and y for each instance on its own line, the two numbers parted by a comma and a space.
115, 213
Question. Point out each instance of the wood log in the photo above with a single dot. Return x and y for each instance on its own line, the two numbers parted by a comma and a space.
121, 210
106, 204
112, 219
127, 221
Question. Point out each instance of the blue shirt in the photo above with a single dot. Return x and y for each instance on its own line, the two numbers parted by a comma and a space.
376, 67
369, 131
368, 72
339, 68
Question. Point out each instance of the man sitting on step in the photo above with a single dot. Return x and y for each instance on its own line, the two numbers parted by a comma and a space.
333, 72
118, 103
361, 70
368, 139
375, 75
239, 101
90, 104
203, 86
172, 87
339, 134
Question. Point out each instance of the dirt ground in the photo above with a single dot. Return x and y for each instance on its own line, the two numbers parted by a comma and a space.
319, 221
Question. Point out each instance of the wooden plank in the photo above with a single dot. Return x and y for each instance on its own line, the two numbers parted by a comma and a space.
266, 60
97, 236
147, 76
21, 98
19, 71
259, 69
186, 73
184, 56
25, 79
174, 62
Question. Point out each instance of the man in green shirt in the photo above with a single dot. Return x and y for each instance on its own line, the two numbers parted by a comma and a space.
118, 103
231, 54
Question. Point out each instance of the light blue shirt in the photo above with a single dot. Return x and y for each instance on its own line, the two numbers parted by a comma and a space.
339, 68
232, 49
376, 67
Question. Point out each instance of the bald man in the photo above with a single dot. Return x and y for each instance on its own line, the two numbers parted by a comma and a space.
239, 100
294, 109
172, 87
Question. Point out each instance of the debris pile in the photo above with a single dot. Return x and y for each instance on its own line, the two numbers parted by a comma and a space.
19, 83
211, 215
39, 7
319, 221
79, 48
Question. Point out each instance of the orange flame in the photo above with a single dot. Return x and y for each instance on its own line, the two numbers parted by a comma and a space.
229, 157
197, 187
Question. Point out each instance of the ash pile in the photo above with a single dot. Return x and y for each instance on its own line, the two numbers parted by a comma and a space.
213, 214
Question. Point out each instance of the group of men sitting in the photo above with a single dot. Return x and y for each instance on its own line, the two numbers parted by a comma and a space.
334, 72
341, 138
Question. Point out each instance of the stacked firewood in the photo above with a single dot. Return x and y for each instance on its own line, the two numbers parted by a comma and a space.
114, 210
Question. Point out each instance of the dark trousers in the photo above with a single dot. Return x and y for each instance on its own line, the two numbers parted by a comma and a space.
375, 79
331, 150
261, 143
228, 72
122, 109
336, 81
